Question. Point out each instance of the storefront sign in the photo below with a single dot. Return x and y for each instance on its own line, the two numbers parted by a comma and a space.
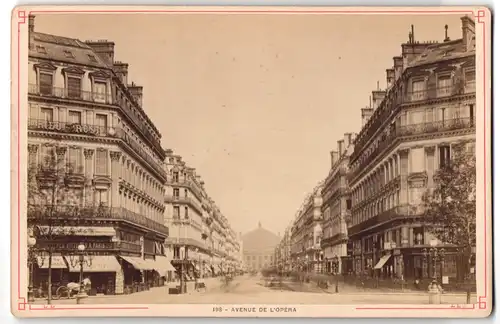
74, 246
445, 280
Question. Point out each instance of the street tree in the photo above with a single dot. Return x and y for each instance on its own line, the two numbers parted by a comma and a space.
450, 206
50, 181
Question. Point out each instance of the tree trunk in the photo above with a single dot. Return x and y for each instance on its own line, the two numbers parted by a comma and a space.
49, 283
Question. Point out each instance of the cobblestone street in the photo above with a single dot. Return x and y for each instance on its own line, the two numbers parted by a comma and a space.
248, 290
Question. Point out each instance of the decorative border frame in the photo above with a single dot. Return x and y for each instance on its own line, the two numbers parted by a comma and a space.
22, 16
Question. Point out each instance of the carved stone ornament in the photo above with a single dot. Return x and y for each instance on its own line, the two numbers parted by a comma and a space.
88, 153
61, 150
430, 149
115, 156
32, 148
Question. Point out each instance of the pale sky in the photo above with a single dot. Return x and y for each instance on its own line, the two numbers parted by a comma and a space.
255, 102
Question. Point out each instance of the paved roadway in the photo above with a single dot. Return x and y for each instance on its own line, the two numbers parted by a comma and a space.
247, 290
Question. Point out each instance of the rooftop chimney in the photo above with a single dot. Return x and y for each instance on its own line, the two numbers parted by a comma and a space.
348, 139
377, 97
341, 147
31, 23
334, 156
136, 92
468, 33
398, 66
446, 38
105, 49
121, 70
169, 151
366, 113
390, 77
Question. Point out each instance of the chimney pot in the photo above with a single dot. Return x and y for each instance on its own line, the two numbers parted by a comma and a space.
341, 147
334, 157
31, 23
103, 48
366, 113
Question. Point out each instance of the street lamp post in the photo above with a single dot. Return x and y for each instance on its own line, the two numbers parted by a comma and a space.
336, 267
31, 262
81, 260
434, 288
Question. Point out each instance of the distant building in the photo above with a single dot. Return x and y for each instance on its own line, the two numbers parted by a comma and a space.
336, 205
258, 248
306, 234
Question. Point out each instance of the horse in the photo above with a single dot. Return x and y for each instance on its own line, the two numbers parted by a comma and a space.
74, 287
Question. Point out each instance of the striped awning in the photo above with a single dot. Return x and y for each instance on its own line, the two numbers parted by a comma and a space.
57, 262
163, 265
96, 263
139, 263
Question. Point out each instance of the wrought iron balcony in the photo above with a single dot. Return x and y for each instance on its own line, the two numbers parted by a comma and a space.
71, 94
88, 96
388, 215
96, 131
184, 200
42, 214
399, 132
393, 108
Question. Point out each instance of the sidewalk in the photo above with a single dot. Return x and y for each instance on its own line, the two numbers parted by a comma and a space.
344, 289
211, 285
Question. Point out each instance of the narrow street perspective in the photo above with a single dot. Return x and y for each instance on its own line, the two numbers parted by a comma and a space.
324, 159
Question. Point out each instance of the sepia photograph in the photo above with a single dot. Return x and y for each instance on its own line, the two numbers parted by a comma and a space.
243, 162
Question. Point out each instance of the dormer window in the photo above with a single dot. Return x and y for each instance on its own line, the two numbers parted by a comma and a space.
68, 54
41, 49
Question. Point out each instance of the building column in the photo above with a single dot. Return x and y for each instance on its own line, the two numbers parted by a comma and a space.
88, 165
115, 177
404, 236
119, 281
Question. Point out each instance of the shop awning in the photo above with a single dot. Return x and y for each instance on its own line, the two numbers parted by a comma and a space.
98, 263
139, 263
78, 230
383, 260
163, 264
58, 262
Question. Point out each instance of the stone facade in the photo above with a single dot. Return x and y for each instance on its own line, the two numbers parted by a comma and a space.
88, 127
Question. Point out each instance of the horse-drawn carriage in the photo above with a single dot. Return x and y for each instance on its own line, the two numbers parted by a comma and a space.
72, 289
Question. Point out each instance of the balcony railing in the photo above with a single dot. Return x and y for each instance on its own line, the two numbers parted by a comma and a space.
70, 128
184, 200
413, 129
71, 94
381, 218
409, 97
49, 213
95, 130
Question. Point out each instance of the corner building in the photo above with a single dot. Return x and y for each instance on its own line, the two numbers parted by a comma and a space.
407, 135
336, 206
84, 113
